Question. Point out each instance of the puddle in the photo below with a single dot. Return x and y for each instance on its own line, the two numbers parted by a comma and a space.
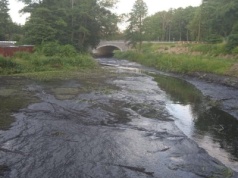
13, 97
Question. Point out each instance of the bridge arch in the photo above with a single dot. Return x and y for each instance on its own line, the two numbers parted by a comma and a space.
106, 50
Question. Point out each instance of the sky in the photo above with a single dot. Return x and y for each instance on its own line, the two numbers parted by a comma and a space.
124, 6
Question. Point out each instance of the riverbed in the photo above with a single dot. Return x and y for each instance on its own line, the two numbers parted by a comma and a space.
130, 122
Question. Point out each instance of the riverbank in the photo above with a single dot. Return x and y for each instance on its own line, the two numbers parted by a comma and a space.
47, 57
210, 74
193, 60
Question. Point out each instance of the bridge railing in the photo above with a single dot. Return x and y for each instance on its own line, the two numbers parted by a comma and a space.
123, 41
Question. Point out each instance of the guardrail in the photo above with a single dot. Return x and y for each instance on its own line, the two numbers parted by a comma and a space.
8, 42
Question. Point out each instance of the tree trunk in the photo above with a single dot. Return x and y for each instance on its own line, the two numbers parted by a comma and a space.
140, 38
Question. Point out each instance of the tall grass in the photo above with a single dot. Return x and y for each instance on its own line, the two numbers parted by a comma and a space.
43, 59
7, 66
210, 49
182, 63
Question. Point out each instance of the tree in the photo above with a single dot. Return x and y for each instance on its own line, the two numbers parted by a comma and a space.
152, 30
214, 18
5, 21
39, 28
81, 23
134, 32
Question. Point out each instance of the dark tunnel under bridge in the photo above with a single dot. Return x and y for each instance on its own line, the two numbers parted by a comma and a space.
107, 48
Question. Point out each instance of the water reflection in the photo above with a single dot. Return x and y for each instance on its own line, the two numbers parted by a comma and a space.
213, 129
179, 91
222, 127
183, 117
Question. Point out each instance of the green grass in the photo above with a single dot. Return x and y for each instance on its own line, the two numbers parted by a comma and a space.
182, 63
27, 63
210, 49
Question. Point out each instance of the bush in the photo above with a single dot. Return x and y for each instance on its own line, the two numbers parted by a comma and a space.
50, 48
214, 39
67, 51
181, 63
47, 57
232, 42
210, 49
55, 49
235, 50
23, 55
7, 63
218, 49
204, 48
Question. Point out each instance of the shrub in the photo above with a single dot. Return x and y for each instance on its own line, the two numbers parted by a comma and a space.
214, 39
50, 48
232, 42
47, 57
23, 55
204, 48
55, 49
178, 63
54, 61
7, 63
210, 49
218, 49
67, 51
235, 50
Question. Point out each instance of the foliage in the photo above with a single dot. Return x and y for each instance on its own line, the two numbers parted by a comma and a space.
210, 49
7, 27
80, 23
213, 38
6, 63
232, 42
135, 29
182, 63
39, 28
211, 22
50, 48
4, 19
235, 51
151, 30
59, 57
55, 49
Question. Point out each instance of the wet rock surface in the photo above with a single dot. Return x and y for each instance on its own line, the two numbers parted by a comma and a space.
119, 126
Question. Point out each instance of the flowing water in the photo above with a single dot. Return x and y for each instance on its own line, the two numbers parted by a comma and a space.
130, 122
213, 129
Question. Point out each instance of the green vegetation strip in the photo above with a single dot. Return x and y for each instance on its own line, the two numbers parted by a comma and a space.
181, 63
47, 57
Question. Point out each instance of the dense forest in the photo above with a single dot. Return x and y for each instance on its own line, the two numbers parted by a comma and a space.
82, 23
213, 21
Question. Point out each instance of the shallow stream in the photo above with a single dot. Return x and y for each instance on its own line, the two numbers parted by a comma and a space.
195, 115
130, 122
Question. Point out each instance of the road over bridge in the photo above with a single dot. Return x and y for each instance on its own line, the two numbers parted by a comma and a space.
106, 48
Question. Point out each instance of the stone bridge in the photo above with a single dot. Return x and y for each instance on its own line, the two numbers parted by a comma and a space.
106, 48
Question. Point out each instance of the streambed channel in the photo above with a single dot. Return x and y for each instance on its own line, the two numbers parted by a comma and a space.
130, 122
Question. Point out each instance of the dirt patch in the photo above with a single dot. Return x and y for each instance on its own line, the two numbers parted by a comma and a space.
218, 79
178, 49
234, 70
